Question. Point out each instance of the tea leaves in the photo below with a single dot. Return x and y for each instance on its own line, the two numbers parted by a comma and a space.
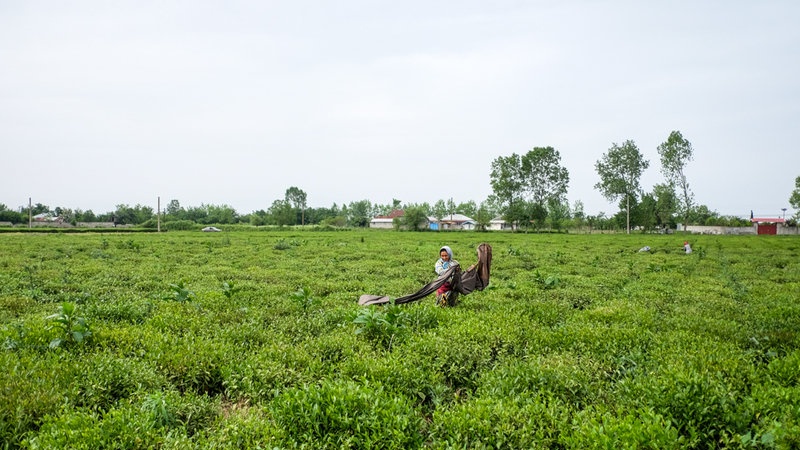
255, 340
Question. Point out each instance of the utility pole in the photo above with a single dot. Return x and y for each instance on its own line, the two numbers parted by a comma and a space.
158, 215
30, 213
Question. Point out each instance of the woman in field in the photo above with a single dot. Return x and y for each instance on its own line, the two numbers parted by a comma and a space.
445, 296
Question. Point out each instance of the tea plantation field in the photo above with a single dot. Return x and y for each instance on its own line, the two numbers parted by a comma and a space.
253, 339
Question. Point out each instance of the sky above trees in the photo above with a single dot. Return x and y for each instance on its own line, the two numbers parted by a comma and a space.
105, 103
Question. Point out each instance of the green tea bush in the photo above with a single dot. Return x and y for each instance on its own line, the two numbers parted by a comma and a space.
504, 422
623, 350
190, 364
158, 421
637, 429
382, 324
83, 430
241, 426
456, 362
111, 380
702, 405
573, 382
785, 371
346, 414
33, 387
131, 311
188, 413
262, 374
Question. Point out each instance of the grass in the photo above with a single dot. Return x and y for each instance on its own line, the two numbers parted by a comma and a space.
255, 340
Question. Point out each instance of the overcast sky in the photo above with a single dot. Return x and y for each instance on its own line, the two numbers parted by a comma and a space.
116, 102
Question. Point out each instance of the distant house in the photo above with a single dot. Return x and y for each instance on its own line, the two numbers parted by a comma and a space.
767, 225
452, 222
498, 224
386, 221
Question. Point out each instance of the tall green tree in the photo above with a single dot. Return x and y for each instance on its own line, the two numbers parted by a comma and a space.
125, 214
483, 216
439, 209
666, 204
414, 218
297, 198
578, 214
507, 183
794, 199
558, 212
282, 213
7, 215
536, 178
645, 213
544, 178
620, 170
676, 152
174, 210
359, 213
221, 214
468, 208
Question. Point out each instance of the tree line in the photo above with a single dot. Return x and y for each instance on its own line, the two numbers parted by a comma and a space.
528, 191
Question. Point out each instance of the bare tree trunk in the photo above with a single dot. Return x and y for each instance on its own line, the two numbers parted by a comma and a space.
628, 213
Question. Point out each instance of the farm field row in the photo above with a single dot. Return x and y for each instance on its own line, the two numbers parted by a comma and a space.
255, 340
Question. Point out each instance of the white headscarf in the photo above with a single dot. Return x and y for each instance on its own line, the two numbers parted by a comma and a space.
449, 252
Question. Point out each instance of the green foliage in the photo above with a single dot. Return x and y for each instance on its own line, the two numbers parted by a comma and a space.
283, 244
160, 413
303, 298
676, 152
229, 290
525, 185
620, 170
179, 225
579, 342
794, 199
414, 219
546, 282
382, 325
69, 328
180, 293
346, 414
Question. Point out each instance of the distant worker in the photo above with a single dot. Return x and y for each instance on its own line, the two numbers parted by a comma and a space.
686, 247
445, 296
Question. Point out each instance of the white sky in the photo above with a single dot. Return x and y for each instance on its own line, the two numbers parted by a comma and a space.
121, 102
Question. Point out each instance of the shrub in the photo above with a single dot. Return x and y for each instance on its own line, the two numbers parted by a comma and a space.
33, 388
639, 429
383, 325
69, 328
110, 380
490, 423
346, 414
179, 225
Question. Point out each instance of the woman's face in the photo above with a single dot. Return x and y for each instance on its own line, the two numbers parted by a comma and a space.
444, 255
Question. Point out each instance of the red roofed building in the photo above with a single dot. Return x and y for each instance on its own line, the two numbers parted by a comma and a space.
386, 221
767, 225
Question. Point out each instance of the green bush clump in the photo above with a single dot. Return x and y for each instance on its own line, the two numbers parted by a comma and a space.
597, 428
157, 420
33, 387
508, 422
382, 324
192, 364
572, 381
179, 225
346, 414
262, 374
112, 379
